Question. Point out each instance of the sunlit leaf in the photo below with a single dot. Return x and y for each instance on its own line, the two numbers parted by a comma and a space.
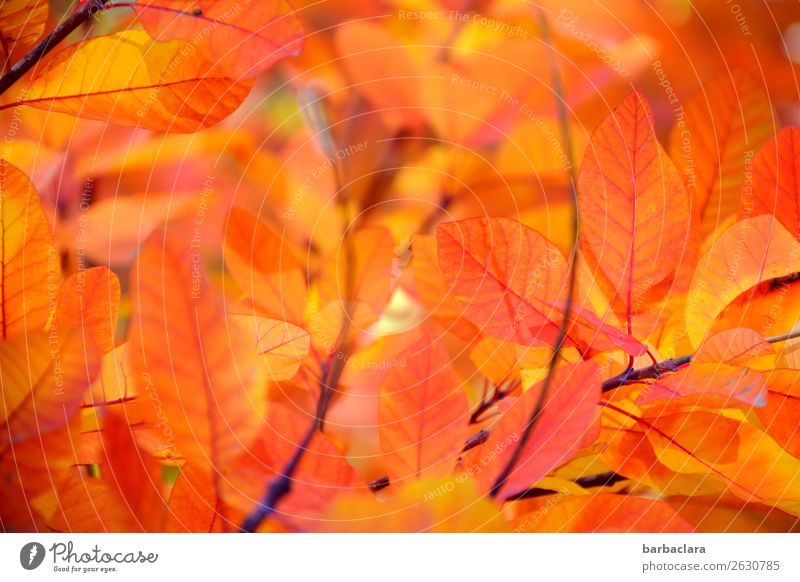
29, 264
424, 413
567, 414
633, 206
244, 40
209, 385
130, 79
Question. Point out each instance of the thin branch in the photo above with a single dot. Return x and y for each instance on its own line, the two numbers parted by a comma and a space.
601, 480
101, 403
654, 371
379, 483
282, 485
499, 393
671, 365
475, 440
60, 32
563, 119
278, 487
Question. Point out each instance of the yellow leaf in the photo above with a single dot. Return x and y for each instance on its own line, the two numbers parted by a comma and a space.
130, 79
29, 267
22, 22
748, 253
200, 370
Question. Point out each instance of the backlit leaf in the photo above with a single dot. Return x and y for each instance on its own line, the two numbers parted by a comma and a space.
713, 143
775, 188
424, 413
746, 254
569, 411
603, 512
209, 385
511, 283
90, 299
633, 207
128, 78
244, 39
22, 22
28, 261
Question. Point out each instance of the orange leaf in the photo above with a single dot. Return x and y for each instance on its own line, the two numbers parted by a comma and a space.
28, 261
265, 266
627, 450
443, 505
780, 415
733, 346
193, 503
111, 231
751, 463
242, 41
746, 254
22, 22
712, 448
115, 382
44, 382
775, 188
90, 299
130, 79
200, 371
727, 118
87, 504
36, 465
322, 474
501, 361
771, 307
568, 413
382, 68
511, 282
133, 475
370, 271
633, 206
127, 496
282, 345
424, 413
713, 384
713, 514
433, 292
603, 512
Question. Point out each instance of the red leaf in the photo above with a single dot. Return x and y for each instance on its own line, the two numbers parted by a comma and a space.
633, 206
776, 181
511, 282
568, 413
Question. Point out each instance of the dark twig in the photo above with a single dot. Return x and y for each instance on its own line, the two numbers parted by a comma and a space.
563, 119
654, 371
671, 365
601, 480
60, 32
282, 485
475, 440
499, 393
379, 483
278, 487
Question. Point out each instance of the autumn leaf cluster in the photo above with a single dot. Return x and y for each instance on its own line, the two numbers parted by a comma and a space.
396, 267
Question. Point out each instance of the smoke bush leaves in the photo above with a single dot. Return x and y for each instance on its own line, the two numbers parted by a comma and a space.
350, 307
